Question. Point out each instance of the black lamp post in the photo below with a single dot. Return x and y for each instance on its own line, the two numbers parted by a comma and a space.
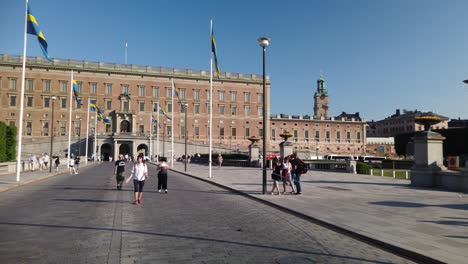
185, 160
52, 135
264, 42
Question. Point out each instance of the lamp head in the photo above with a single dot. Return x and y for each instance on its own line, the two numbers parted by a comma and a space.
53, 97
264, 41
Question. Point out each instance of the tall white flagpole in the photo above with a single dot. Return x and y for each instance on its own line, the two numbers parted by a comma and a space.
157, 134
70, 115
95, 136
172, 126
87, 133
150, 130
20, 121
210, 160
126, 47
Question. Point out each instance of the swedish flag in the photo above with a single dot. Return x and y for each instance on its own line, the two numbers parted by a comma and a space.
33, 29
92, 107
76, 92
176, 93
161, 111
107, 120
213, 49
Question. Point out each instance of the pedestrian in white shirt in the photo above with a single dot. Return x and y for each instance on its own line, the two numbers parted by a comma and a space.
71, 165
139, 175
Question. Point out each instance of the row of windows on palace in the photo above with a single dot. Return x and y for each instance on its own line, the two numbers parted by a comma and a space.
196, 134
142, 93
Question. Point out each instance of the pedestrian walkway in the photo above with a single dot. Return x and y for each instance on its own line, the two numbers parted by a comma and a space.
8, 181
433, 223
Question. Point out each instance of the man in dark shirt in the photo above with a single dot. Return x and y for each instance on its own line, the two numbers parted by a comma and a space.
119, 170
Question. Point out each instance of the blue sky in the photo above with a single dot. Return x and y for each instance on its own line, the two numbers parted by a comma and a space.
376, 56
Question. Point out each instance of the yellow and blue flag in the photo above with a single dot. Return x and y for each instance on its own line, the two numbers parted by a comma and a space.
76, 92
176, 93
33, 29
161, 111
92, 107
107, 120
213, 49
100, 114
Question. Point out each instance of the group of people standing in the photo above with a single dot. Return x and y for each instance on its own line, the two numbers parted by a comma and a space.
289, 173
39, 161
139, 174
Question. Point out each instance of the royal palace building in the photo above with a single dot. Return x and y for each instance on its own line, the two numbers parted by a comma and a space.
129, 95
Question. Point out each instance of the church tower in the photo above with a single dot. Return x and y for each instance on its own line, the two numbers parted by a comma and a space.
321, 99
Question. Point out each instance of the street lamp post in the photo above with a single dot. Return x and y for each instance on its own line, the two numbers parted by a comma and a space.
52, 135
185, 160
264, 42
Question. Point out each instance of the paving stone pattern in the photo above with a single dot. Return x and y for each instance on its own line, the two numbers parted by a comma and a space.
83, 219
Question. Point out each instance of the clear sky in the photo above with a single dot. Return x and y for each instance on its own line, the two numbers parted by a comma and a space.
376, 56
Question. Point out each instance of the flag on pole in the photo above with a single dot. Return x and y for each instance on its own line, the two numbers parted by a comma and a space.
100, 114
93, 107
76, 92
107, 120
161, 111
213, 49
33, 29
176, 93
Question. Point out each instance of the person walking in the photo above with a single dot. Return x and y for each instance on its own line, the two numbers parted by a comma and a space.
77, 164
71, 165
220, 160
286, 175
139, 175
276, 176
119, 170
57, 162
46, 160
162, 175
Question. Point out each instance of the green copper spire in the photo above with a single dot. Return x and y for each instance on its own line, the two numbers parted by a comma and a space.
321, 88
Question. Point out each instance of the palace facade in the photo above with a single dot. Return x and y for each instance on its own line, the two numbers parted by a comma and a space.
129, 94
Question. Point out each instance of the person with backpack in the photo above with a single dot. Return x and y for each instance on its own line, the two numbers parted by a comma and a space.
139, 175
298, 167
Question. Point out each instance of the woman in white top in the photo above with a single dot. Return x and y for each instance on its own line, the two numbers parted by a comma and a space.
139, 175
286, 175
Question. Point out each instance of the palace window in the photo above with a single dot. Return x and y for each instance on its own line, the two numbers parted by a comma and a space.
109, 89
155, 91
30, 87
93, 88
47, 86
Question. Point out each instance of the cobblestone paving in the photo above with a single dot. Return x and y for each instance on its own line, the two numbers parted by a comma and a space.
83, 219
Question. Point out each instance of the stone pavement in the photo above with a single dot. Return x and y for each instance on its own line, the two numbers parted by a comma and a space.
433, 223
8, 181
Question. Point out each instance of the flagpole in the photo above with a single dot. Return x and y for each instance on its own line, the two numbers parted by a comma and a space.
172, 126
23, 75
211, 103
87, 133
126, 47
150, 130
70, 115
157, 134
95, 135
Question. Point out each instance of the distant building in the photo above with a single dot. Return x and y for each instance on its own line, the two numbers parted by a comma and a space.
321, 134
381, 146
457, 123
399, 123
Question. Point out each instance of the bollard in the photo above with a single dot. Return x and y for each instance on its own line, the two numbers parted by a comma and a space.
371, 172
393, 174
406, 174
381, 172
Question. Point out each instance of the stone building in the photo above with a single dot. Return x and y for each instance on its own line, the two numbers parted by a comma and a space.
318, 135
399, 123
128, 94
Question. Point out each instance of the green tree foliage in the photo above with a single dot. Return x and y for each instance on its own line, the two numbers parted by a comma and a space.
455, 143
11, 142
3, 145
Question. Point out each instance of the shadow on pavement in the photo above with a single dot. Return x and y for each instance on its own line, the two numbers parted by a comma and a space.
191, 237
420, 205
360, 183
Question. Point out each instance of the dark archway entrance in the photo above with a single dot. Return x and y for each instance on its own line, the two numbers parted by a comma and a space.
125, 127
142, 149
106, 151
125, 149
